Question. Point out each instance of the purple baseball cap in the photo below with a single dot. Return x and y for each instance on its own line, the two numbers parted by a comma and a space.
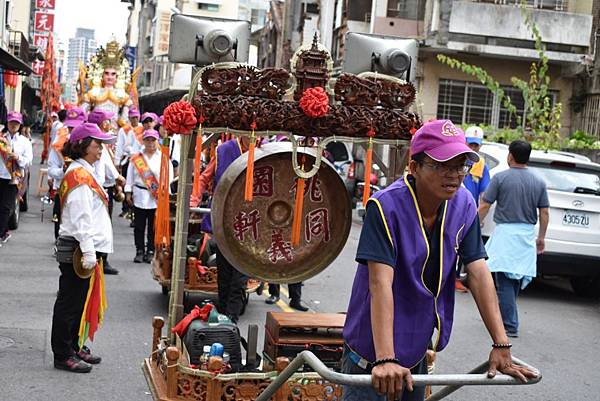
134, 113
75, 117
97, 116
151, 115
14, 116
441, 140
161, 119
150, 133
90, 130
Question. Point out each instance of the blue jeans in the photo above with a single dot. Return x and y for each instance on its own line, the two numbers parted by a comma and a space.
508, 290
360, 393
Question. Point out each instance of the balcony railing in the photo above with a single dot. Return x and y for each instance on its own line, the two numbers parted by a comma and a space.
556, 5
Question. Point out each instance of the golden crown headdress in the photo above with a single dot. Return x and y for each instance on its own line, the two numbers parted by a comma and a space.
112, 56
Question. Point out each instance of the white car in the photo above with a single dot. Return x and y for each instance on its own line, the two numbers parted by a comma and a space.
573, 236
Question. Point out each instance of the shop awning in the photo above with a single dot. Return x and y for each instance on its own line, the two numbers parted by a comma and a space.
12, 63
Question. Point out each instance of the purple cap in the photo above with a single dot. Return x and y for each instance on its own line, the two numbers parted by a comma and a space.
75, 117
97, 116
54, 114
134, 113
161, 119
14, 116
90, 130
441, 140
151, 115
150, 133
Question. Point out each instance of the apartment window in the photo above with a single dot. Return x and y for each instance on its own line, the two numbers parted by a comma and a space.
406, 9
258, 16
472, 103
208, 7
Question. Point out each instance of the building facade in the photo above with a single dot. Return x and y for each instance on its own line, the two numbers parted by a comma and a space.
488, 33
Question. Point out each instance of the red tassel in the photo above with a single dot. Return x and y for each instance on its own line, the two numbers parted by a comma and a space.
298, 206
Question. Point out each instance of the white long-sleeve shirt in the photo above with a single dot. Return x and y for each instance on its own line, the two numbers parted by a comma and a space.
20, 146
56, 125
55, 168
106, 172
142, 198
85, 217
125, 145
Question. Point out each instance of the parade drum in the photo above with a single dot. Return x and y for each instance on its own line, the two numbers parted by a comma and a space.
255, 236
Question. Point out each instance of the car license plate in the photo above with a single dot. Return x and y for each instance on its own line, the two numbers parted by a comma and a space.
575, 218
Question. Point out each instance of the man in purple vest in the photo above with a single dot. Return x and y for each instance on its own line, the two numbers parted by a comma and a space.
403, 290
230, 282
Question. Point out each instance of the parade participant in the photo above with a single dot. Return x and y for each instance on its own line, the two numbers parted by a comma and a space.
57, 124
403, 290
478, 178
141, 192
85, 223
16, 154
295, 290
56, 163
231, 283
128, 137
149, 121
512, 248
106, 172
109, 78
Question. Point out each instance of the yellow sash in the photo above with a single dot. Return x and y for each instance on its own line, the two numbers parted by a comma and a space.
477, 168
146, 174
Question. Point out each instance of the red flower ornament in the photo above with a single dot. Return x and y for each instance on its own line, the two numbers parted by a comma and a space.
180, 118
314, 102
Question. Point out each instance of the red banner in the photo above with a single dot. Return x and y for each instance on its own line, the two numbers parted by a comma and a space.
41, 41
38, 67
47, 4
44, 22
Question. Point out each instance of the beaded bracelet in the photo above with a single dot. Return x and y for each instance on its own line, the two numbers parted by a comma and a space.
501, 345
385, 360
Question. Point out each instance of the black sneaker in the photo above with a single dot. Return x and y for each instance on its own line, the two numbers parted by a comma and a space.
108, 269
86, 355
5, 237
298, 306
139, 257
149, 256
272, 300
73, 364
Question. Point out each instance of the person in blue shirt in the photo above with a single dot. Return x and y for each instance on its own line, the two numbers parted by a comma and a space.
476, 181
478, 178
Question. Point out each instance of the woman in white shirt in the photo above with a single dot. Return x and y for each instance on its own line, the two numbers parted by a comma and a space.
141, 191
85, 223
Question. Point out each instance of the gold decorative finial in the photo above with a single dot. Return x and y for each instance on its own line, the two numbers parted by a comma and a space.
112, 56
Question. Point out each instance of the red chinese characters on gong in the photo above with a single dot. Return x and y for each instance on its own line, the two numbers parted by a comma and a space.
317, 225
280, 249
246, 222
263, 181
313, 188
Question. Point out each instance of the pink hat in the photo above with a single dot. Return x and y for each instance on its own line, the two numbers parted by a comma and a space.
54, 114
90, 130
441, 140
97, 116
134, 113
161, 119
75, 117
150, 133
151, 115
14, 116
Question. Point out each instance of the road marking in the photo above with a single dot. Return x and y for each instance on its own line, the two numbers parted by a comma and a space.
282, 305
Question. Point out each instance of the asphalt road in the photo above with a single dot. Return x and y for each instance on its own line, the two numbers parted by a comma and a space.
559, 332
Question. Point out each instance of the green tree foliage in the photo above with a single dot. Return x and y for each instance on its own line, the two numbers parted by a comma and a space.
541, 117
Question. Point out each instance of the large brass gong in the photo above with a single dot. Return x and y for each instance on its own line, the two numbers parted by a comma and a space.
255, 236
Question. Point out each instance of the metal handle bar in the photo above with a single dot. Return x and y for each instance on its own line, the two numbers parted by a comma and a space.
201, 210
453, 382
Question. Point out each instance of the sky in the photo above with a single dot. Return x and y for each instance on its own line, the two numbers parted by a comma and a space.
106, 17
